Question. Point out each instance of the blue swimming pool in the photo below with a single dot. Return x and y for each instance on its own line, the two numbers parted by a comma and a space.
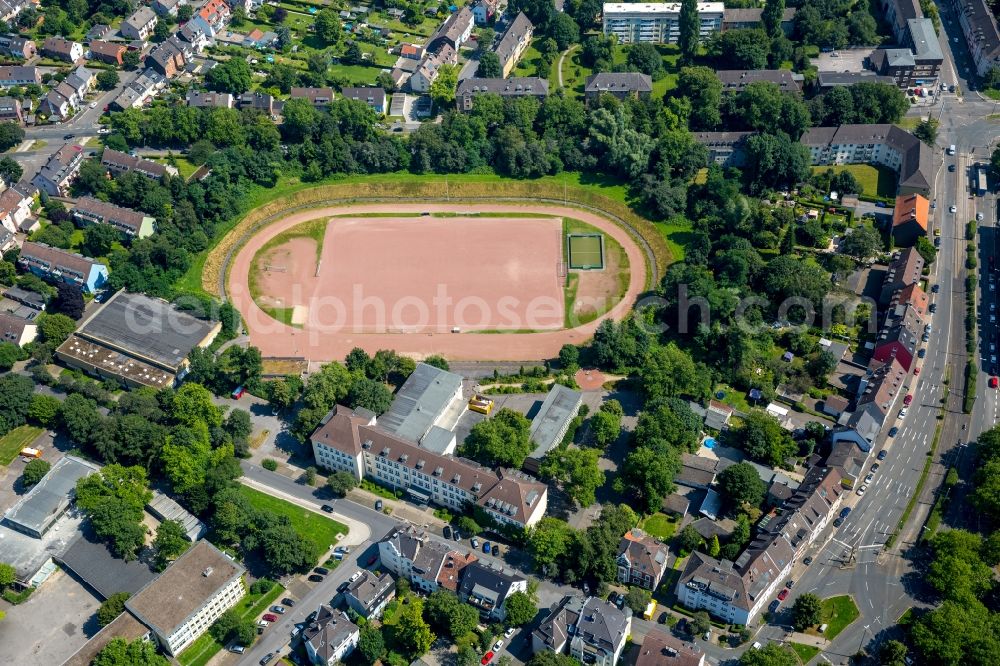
709, 442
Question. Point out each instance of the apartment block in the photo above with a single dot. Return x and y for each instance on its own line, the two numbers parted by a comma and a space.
657, 22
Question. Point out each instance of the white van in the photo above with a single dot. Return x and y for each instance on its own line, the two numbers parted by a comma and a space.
951, 149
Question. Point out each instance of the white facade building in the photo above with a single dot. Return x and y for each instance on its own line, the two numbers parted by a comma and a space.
657, 22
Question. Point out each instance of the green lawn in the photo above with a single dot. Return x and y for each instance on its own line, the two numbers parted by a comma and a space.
804, 652
574, 73
320, 530
659, 525
837, 613
875, 181
15, 440
202, 650
528, 64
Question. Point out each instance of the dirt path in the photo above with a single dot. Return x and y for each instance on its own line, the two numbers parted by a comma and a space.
562, 56
275, 339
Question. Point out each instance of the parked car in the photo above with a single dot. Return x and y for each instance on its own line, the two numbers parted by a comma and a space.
497, 645
378, 505
845, 512
509, 632
315, 578
907, 399
280, 610
486, 547
861, 490
474, 542
288, 602
773, 608
343, 586
321, 571
869, 478
935, 289
447, 531
496, 550
875, 467
270, 617
327, 508
893, 431
262, 623
932, 308
782, 595
808, 560
487, 658
266, 658
237, 649
838, 522
790, 584
882, 454
993, 382
922, 353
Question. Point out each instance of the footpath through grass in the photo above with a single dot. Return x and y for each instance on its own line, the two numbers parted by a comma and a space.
15, 440
317, 528
202, 650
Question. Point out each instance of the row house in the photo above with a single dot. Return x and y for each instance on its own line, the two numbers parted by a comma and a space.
55, 265
195, 36
878, 392
318, 97
15, 46
19, 75
212, 17
208, 100
59, 172
118, 163
107, 52
15, 207
982, 36
61, 102
910, 218
514, 42
82, 80
132, 223
374, 97
411, 554
140, 25
454, 32
59, 48
9, 9
10, 110
142, 89
260, 101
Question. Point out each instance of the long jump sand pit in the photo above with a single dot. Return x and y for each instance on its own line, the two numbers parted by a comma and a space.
387, 277
419, 274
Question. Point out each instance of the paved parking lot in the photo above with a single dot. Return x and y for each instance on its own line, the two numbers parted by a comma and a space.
51, 625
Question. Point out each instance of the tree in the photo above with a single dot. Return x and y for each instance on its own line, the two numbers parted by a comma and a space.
645, 58
55, 328
98, 239
927, 130
605, 425
772, 654
548, 541
569, 356
79, 417
10, 170
371, 645
774, 161
107, 79
741, 49
926, 250
341, 483
862, 29
764, 440
576, 470
770, 18
10, 354
69, 299
637, 599
521, 609
328, 27
112, 607
120, 652
11, 134
35, 471
369, 394
863, 243
504, 439
437, 361
957, 570
7, 575
564, 30
130, 59
806, 611
689, 540
714, 548
650, 474
704, 89
114, 500
549, 658
690, 31
489, 65
170, 542
442, 90
43, 409
956, 634
700, 622
892, 653
449, 615
411, 633
741, 484
468, 526
232, 76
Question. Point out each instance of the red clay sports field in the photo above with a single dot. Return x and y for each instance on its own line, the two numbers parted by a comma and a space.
420, 285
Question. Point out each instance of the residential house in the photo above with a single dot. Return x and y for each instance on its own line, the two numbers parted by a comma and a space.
195, 36
169, 58
642, 560
898, 13
10, 110
697, 471
885, 145
898, 337
9, 9
15, 208
260, 101
927, 55
514, 87
318, 97
910, 296
118, 162
205, 100
428, 68
488, 589
848, 459
808, 510
17, 330
514, 43
617, 84
982, 36
107, 52
82, 80
99, 31
591, 630
212, 17
454, 32
835, 405
15, 46
878, 392
905, 269
140, 24
909, 219
55, 265
663, 649
724, 148
330, 637
657, 22
369, 593
59, 48
167, 7
19, 75
132, 223
411, 51
451, 571
749, 18
181, 604
142, 89
717, 415
61, 169
737, 591
410, 554
483, 11
60, 102
736, 80
372, 96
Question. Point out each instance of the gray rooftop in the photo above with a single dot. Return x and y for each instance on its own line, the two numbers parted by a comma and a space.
549, 424
925, 42
149, 329
420, 402
92, 562
42, 506
164, 508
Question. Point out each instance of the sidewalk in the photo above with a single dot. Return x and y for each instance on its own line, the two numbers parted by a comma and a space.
415, 515
357, 532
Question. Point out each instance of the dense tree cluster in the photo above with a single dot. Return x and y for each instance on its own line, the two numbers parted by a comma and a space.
580, 555
503, 439
114, 499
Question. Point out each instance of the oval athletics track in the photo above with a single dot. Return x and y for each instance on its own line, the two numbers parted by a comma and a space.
279, 340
